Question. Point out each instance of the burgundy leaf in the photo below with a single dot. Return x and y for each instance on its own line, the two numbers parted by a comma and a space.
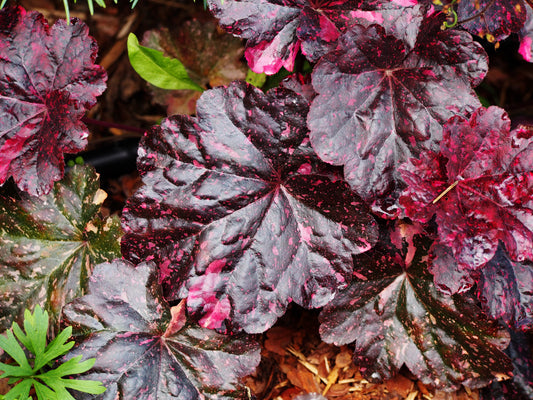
492, 19
505, 290
144, 350
480, 187
396, 316
276, 29
237, 206
383, 97
48, 79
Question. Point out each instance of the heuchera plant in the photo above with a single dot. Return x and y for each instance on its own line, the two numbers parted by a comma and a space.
375, 188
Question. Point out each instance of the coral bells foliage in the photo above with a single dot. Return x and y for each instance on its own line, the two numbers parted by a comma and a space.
48, 79
239, 212
380, 192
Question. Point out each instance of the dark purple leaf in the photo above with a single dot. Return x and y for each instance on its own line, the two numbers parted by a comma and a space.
237, 206
276, 29
396, 316
505, 290
486, 176
383, 97
526, 36
492, 19
521, 386
448, 276
48, 80
49, 244
146, 351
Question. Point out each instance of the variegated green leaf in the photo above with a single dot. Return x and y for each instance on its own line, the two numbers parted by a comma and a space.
49, 244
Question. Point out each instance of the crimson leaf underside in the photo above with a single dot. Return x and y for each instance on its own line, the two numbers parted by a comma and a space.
395, 315
239, 213
383, 96
49, 244
146, 351
488, 172
48, 80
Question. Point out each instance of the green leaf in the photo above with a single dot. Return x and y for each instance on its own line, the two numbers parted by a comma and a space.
155, 68
10, 345
253, 78
36, 327
49, 245
56, 348
49, 385
21, 391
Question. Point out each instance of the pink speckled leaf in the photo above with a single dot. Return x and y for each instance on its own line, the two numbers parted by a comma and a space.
48, 79
505, 290
488, 172
143, 352
383, 96
396, 316
277, 29
239, 213
492, 19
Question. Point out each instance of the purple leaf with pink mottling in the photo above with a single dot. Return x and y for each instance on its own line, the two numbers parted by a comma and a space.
526, 36
505, 289
146, 351
240, 214
48, 79
492, 19
277, 29
383, 96
396, 316
486, 174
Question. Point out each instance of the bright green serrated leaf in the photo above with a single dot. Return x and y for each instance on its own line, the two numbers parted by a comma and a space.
49, 245
47, 382
157, 69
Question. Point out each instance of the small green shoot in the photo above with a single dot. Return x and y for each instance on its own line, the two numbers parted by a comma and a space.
38, 371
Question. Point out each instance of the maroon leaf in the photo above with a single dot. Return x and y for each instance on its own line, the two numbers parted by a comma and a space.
383, 97
144, 350
492, 19
236, 204
396, 316
276, 29
47, 80
480, 187
505, 290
